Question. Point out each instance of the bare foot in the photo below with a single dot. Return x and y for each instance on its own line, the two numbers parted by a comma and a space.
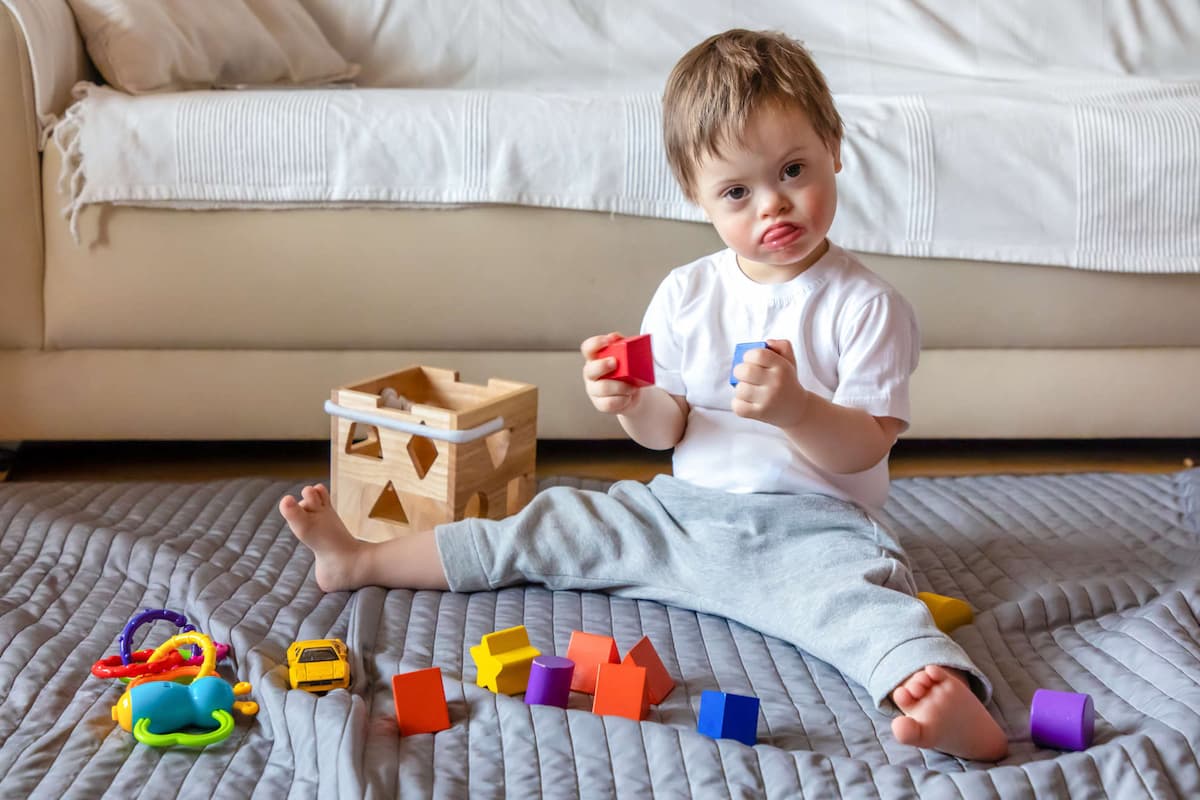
318, 526
942, 713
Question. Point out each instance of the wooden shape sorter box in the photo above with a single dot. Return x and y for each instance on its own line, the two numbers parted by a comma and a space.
389, 477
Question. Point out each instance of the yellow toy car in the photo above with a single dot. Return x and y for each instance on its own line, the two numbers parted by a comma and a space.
318, 665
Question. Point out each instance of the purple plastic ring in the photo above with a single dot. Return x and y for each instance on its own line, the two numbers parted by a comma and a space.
222, 651
1062, 720
149, 615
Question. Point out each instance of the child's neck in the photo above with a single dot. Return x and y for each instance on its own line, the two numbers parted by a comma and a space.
770, 273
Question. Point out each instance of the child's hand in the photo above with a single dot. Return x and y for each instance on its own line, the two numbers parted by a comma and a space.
768, 389
608, 396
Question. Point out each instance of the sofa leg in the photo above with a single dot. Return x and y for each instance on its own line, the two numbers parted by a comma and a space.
8, 457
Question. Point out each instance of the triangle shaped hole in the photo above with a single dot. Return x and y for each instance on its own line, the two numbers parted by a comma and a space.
363, 440
497, 445
388, 506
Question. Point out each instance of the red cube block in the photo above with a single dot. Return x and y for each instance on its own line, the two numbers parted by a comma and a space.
635, 361
420, 701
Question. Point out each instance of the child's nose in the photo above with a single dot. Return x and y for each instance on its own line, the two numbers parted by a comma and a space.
774, 204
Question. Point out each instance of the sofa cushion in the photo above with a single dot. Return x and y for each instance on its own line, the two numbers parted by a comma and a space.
278, 394
143, 46
862, 47
504, 278
494, 278
916, 180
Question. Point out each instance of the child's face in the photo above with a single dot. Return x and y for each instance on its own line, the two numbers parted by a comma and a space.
772, 196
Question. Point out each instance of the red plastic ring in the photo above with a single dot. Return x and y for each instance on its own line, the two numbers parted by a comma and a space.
111, 667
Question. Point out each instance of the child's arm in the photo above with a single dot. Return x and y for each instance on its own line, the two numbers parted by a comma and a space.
652, 417
836, 438
841, 439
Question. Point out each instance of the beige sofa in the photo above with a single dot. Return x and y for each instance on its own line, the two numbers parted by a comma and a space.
235, 324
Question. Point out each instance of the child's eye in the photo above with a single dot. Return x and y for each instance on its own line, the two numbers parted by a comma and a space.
736, 192
793, 170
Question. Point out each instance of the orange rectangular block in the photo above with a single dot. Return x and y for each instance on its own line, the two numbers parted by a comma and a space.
589, 651
621, 691
420, 701
659, 682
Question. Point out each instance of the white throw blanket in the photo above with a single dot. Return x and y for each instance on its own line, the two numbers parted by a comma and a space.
1095, 175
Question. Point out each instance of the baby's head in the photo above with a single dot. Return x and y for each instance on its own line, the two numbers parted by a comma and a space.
754, 139
719, 85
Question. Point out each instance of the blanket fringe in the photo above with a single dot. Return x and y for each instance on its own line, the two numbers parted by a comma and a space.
72, 177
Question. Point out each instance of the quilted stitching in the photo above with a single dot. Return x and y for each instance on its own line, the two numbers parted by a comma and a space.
1083, 582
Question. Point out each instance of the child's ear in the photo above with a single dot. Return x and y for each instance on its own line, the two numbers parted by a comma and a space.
837, 157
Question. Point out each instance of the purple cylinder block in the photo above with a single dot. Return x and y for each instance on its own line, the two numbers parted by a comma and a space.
1062, 720
550, 681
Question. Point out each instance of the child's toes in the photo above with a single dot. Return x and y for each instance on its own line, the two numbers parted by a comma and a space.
936, 673
918, 686
907, 731
312, 498
290, 509
903, 698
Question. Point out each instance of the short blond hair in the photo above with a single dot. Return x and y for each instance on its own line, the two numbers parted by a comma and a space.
719, 84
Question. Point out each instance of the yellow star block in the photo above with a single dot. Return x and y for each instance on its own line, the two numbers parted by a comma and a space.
948, 612
503, 660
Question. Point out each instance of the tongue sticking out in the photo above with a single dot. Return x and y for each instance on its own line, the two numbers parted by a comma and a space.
781, 235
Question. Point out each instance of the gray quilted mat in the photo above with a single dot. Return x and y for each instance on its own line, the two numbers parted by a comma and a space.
1087, 583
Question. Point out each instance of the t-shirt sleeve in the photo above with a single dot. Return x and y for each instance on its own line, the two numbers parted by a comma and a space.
658, 322
880, 345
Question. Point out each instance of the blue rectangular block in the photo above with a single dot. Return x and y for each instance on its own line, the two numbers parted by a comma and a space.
739, 352
729, 716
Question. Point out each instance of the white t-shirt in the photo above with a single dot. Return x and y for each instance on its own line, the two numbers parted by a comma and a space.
856, 343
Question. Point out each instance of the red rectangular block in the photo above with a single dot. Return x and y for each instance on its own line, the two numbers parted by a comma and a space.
420, 701
621, 691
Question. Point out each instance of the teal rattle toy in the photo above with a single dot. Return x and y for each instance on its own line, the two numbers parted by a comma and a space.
159, 712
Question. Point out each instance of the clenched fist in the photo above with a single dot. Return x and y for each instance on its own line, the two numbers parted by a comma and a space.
768, 389
608, 396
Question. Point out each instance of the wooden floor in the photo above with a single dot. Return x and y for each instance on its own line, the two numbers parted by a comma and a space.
192, 461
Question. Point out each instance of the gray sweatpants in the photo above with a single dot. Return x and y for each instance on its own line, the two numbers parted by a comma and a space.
809, 569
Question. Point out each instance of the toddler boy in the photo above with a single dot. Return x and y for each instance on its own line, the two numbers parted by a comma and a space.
767, 518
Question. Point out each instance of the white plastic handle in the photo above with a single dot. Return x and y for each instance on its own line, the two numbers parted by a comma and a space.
455, 437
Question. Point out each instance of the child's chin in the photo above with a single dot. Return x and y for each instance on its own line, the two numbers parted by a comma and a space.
799, 252
787, 257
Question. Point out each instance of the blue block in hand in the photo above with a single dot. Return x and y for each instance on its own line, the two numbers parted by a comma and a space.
739, 352
729, 716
